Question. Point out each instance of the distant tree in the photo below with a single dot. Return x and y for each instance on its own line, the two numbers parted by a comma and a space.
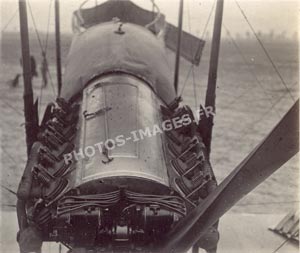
271, 34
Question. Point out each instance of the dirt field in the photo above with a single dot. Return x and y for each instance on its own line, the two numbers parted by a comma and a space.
244, 114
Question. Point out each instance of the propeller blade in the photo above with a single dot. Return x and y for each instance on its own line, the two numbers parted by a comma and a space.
276, 149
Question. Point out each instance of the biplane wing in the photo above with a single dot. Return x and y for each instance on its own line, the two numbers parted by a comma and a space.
128, 12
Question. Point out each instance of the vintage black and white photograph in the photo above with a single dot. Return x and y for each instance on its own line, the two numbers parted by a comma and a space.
149, 126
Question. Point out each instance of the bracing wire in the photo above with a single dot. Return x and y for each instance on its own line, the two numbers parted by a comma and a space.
45, 53
193, 72
281, 245
35, 27
229, 104
9, 21
267, 112
249, 129
249, 68
265, 50
9, 190
17, 110
40, 42
46, 44
202, 37
208, 19
246, 132
9, 155
48, 26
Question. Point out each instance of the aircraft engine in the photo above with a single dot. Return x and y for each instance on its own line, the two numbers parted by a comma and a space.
118, 162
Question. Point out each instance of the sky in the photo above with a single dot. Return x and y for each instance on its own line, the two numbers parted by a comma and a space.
279, 16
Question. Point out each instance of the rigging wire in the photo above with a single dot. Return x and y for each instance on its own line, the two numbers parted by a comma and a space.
249, 68
9, 155
35, 27
40, 42
202, 38
265, 50
281, 245
17, 110
208, 19
245, 133
249, 129
9, 21
192, 47
229, 104
48, 26
44, 55
9, 190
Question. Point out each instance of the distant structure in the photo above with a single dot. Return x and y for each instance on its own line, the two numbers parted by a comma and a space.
15, 81
271, 34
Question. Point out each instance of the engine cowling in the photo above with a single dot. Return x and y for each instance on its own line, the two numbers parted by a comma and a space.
117, 167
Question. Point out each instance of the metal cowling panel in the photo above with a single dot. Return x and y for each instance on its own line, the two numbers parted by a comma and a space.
127, 105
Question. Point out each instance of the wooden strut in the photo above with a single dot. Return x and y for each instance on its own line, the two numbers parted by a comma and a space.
58, 53
206, 125
30, 112
177, 61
